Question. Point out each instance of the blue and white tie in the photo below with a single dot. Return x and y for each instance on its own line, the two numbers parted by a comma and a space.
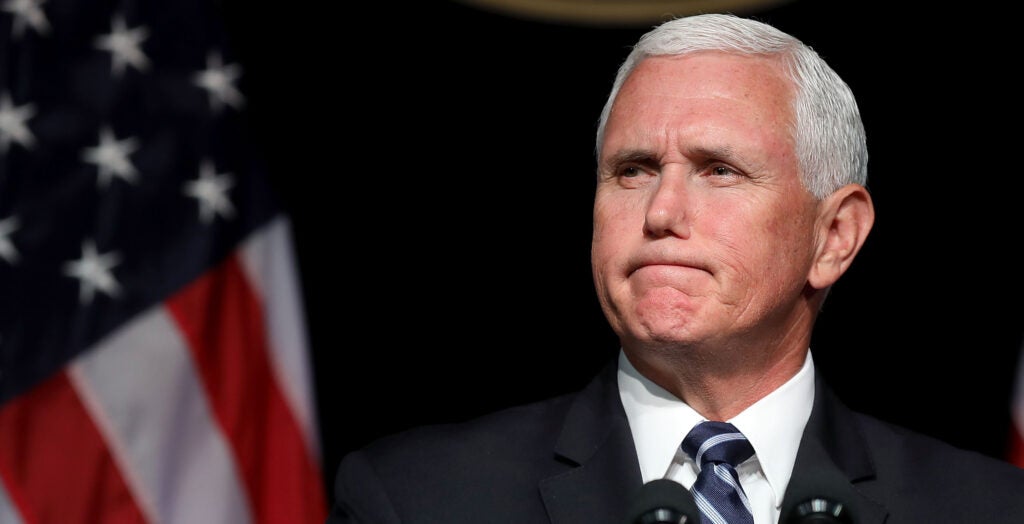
718, 447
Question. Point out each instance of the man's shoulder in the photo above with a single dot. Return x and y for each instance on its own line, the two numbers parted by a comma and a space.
871, 446
445, 470
909, 475
897, 446
916, 472
497, 461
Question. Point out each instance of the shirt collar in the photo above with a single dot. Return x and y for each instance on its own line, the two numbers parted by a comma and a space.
773, 425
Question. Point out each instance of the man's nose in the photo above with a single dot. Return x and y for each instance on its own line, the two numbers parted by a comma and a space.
668, 207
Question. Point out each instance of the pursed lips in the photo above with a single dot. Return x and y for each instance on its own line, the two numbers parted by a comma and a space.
668, 273
665, 263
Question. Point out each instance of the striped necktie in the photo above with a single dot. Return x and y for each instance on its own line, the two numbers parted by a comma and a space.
717, 448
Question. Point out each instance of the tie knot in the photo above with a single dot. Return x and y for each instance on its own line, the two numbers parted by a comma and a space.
716, 442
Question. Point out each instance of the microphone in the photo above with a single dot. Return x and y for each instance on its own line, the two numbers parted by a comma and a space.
818, 496
663, 501
819, 510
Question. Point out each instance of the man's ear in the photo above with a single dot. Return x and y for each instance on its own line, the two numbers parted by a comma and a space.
844, 219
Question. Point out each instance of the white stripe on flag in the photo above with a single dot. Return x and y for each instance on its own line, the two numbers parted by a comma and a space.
268, 258
141, 387
8, 513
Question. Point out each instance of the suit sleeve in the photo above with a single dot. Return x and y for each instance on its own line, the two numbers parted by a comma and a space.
359, 495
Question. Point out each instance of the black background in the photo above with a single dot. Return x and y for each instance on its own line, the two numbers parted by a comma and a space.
437, 162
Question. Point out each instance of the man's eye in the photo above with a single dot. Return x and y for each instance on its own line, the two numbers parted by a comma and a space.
630, 172
722, 170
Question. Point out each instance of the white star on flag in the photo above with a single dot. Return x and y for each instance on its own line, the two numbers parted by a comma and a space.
210, 189
124, 45
7, 250
27, 13
13, 123
111, 157
93, 271
218, 80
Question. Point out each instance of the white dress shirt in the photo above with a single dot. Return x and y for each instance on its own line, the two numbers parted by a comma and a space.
773, 425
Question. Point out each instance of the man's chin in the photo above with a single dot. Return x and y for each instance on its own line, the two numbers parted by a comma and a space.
664, 312
667, 333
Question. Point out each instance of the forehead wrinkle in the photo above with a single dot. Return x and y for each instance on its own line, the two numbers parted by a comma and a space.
697, 154
701, 152
632, 156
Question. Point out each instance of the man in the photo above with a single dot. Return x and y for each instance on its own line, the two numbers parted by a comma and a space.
731, 195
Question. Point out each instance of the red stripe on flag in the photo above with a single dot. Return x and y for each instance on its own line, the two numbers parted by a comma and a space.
1015, 449
1016, 454
222, 320
55, 462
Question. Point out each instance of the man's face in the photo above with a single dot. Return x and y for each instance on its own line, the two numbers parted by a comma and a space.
703, 232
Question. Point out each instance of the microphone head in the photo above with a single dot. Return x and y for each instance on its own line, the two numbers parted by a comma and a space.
663, 501
818, 494
818, 491
820, 510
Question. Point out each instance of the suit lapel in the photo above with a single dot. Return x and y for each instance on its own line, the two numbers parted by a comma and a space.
832, 459
597, 445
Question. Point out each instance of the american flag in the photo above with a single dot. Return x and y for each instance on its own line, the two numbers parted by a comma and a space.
154, 365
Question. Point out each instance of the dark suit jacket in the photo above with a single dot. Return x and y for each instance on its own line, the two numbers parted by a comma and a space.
571, 460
